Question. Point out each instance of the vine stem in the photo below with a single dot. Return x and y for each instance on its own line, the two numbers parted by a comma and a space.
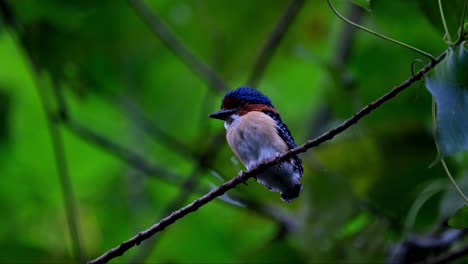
444, 23
426, 54
461, 36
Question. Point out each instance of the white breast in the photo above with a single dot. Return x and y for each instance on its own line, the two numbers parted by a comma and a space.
253, 138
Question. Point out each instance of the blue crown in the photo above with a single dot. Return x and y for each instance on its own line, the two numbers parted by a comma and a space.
248, 95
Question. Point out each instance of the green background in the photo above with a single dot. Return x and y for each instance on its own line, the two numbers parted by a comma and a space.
119, 80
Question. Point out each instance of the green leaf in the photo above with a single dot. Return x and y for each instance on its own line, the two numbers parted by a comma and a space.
449, 86
366, 4
354, 225
460, 218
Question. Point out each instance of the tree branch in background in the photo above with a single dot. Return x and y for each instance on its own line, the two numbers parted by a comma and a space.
186, 189
62, 170
243, 176
57, 141
152, 129
273, 41
344, 45
123, 154
164, 33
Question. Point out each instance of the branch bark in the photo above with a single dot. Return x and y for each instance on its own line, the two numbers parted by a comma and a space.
274, 40
129, 157
245, 175
163, 32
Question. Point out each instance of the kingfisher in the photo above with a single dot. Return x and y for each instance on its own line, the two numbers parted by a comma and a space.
256, 133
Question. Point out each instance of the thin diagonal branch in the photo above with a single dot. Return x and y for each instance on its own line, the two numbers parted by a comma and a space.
152, 129
274, 40
186, 189
123, 154
332, 7
163, 32
245, 175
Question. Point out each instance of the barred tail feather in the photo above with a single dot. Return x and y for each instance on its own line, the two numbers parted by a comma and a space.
291, 193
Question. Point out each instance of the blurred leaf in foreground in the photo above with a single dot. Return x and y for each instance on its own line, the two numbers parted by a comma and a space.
366, 4
460, 218
449, 86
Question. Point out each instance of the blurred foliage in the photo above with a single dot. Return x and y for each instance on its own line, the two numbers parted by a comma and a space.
449, 86
366, 4
452, 13
458, 220
358, 188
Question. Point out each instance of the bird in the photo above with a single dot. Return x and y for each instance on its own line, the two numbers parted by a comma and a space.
256, 133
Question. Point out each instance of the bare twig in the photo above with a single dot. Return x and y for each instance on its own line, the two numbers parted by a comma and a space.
174, 216
186, 189
332, 7
285, 222
345, 41
274, 40
62, 111
344, 45
245, 175
62, 169
152, 129
120, 152
162, 31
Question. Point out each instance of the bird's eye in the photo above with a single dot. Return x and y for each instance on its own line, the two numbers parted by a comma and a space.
242, 103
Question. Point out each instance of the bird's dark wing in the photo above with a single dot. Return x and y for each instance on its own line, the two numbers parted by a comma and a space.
285, 134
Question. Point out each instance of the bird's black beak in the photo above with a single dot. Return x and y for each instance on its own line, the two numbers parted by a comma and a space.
223, 114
